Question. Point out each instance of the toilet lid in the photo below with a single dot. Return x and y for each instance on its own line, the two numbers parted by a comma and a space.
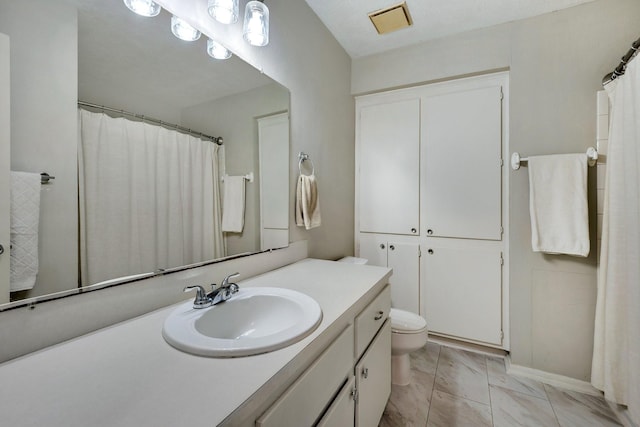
405, 321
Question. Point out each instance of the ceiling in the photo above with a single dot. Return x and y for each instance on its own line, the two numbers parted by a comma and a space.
349, 21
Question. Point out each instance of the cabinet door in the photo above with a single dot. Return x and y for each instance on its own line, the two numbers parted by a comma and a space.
342, 411
389, 163
373, 379
462, 177
374, 249
404, 259
273, 148
464, 293
5, 157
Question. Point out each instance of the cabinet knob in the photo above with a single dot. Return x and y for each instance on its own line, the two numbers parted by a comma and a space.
382, 246
379, 315
430, 251
414, 231
392, 247
1, 249
365, 373
429, 232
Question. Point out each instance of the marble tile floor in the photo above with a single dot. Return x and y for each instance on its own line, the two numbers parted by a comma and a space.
455, 388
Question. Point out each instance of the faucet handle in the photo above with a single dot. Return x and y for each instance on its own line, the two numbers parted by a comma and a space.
202, 300
225, 282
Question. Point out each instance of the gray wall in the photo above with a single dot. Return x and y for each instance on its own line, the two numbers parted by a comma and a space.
304, 57
44, 129
234, 118
556, 64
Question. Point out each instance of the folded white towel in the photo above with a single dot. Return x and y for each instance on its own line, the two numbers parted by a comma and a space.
25, 216
233, 204
558, 204
307, 202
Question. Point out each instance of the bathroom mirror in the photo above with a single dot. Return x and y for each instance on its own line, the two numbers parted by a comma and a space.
99, 52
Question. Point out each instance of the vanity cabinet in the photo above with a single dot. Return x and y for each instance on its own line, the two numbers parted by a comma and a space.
445, 172
404, 259
349, 383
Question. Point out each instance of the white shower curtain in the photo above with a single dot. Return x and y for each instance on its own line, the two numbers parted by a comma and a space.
616, 358
149, 198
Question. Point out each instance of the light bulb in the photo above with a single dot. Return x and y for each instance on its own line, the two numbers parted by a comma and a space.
224, 11
256, 23
217, 51
143, 7
182, 30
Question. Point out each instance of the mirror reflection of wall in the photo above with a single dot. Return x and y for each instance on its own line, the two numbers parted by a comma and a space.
99, 52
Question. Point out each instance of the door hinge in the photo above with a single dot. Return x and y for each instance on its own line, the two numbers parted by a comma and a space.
355, 394
501, 93
501, 162
419, 252
501, 259
501, 335
501, 230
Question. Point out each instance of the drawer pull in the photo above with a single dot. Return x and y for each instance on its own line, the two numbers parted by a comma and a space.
365, 373
379, 315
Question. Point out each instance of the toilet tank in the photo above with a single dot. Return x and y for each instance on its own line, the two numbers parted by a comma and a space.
354, 260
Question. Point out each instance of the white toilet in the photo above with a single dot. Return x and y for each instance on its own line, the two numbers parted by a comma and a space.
408, 334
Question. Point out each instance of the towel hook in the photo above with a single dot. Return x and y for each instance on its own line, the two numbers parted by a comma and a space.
301, 158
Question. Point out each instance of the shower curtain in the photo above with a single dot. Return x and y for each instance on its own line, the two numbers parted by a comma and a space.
149, 198
616, 358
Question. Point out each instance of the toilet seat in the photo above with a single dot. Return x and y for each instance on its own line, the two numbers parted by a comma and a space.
405, 322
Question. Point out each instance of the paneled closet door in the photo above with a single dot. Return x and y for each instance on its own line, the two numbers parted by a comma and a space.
464, 293
5, 166
462, 174
404, 259
374, 249
389, 167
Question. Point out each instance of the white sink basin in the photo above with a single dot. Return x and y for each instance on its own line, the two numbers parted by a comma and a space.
253, 321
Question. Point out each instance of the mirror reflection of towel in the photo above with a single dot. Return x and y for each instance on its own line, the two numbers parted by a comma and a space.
25, 217
233, 204
307, 202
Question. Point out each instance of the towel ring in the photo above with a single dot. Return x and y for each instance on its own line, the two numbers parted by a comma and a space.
301, 158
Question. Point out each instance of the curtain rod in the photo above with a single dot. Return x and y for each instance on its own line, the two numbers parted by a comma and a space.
217, 139
621, 68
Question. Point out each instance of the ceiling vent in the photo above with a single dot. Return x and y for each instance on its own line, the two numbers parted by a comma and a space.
391, 19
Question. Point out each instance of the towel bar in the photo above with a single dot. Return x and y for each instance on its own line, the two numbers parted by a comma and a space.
516, 160
248, 177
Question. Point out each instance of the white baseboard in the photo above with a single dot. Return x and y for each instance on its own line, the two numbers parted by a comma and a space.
555, 380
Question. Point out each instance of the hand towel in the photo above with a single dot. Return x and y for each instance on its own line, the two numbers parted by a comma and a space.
233, 204
558, 204
24, 217
307, 202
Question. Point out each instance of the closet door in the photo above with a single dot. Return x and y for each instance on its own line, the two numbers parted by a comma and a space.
374, 249
462, 176
273, 150
464, 293
5, 157
389, 167
404, 259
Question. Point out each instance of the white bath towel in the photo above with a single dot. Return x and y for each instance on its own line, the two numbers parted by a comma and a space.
307, 202
25, 216
233, 204
558, 204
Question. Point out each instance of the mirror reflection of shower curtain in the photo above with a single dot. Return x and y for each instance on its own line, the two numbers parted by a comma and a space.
616, 354
149, 198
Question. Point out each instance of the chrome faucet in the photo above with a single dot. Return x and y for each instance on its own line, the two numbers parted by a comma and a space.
217, 295
225, 291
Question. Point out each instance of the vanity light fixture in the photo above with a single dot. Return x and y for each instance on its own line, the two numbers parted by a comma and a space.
146, 8
217, 51
224, 11
256, 23
182, 30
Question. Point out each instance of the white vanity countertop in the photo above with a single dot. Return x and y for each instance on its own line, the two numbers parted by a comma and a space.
127, 375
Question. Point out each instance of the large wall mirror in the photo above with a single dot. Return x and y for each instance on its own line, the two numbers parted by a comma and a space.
99, 53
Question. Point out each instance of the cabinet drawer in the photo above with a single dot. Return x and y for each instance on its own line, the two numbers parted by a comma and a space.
304, 401
371, 319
